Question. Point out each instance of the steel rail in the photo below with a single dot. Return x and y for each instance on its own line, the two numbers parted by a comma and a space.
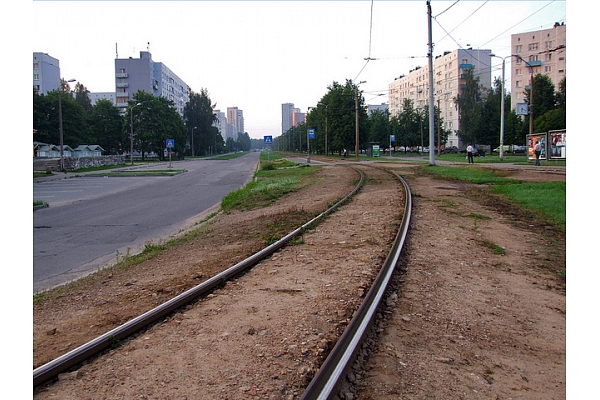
74, 357
328, 378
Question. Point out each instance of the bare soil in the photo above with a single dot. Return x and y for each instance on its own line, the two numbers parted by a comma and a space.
458, 322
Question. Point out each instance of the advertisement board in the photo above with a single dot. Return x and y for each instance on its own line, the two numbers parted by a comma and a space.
532, 140
558, 144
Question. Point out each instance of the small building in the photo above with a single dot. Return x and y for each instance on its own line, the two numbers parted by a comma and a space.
44, 150
88, 150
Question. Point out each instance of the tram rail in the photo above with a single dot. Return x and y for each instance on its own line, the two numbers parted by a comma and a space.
326, 382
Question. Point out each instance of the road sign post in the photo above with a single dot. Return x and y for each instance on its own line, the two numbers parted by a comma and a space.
268, 140
310, 134
170, 144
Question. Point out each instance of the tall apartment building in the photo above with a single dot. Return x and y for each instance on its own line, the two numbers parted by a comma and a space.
46, 73
541, 52
133, 74
287, 110
448, 75
235, 117
221, 124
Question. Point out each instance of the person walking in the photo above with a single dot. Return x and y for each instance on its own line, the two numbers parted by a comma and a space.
470, 154
538, 151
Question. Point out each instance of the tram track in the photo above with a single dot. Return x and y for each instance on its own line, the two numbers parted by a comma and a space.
327, 379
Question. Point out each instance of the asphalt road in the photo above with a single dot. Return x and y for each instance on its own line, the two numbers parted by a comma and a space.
92, 219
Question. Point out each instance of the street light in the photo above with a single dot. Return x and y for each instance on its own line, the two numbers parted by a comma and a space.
60, 126
131, 135
193, 140
356, 110
326, 149
501, 106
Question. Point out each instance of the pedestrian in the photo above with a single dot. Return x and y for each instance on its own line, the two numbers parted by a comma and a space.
538, 151
470, 154
345, 153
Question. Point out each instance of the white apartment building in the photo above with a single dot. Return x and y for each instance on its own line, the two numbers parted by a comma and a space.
448, 76
539, 52
46, 73
221, 124
287, 109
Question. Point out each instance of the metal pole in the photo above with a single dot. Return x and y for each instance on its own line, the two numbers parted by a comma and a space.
431, 91
60, 130
356, 109
502, 114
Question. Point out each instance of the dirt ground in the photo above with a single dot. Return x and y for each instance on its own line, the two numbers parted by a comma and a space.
459, 321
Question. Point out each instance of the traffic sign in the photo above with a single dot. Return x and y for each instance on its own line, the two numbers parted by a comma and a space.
268, 139
311, 133
170, 143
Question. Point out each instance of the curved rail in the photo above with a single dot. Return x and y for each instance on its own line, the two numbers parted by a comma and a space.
327, 381
51, 369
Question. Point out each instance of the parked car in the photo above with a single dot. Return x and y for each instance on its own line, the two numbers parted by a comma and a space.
478, 151
450, 150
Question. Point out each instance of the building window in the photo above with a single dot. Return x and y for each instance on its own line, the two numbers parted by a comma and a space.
548, 44
533, 46
518, 48
548, 69
36, 77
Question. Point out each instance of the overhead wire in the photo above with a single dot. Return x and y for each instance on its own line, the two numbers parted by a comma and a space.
370, 39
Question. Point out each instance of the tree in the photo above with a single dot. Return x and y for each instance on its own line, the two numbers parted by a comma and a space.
107, 127
379, 127
82, 97
341, 116
199, 116
469, 107
155, 120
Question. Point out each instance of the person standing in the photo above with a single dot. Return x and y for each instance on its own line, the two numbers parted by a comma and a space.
470, 154
538, 151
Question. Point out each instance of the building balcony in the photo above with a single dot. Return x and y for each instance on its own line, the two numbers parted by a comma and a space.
123, 85
121, 75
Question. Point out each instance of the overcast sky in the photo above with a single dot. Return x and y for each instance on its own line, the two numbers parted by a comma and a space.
257, 55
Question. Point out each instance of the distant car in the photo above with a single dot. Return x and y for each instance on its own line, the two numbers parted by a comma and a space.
478, 152
450, 150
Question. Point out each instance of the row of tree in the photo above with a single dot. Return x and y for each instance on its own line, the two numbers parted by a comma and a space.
147, 123
479, 110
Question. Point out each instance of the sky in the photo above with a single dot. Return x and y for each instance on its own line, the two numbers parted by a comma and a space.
257, 55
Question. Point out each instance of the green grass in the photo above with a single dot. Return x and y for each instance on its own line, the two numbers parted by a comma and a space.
267, 186
470, 174
547, 199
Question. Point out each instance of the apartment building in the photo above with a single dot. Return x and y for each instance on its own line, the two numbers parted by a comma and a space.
133, 74
298, 117
46, 73
287, 110
537, 52
448, 75
221, 124
235, 118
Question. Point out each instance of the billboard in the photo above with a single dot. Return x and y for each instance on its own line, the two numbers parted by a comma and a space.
532, 140
557, 141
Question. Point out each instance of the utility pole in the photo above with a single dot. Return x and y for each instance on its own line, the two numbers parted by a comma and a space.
431, 91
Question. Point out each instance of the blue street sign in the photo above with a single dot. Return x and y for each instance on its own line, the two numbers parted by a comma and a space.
392, 138
170, 143
268, 139
311, 133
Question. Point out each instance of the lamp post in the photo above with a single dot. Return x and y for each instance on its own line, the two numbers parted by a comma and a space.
193, 140
131, 125
60, 126
356, 110
325, 105
501, 106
